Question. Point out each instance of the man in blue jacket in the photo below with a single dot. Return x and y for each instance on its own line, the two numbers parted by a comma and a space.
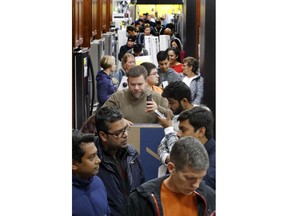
120, 168
89, 196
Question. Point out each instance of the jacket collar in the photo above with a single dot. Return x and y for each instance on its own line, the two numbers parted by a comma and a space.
210, 144
78, 182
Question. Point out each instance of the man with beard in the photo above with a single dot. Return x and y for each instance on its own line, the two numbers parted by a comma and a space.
195, 121
132, 102
179, 99
120, 168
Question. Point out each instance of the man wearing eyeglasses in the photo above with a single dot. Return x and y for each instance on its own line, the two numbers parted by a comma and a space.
153, 77
120, 168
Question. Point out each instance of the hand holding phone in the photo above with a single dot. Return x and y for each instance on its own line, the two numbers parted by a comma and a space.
149, 97
159, 114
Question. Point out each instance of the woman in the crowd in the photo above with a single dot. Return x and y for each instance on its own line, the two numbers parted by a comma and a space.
193, 79
174, 59
128, 61
105, 86
176, 44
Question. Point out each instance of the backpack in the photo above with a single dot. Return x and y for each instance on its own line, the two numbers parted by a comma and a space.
140, 39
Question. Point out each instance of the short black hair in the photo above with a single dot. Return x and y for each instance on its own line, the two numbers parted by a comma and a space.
131, 38
171, 26
106, 115
177, 90
199, 116
137, 48
131, 28
149, 66
162, 55
77, 139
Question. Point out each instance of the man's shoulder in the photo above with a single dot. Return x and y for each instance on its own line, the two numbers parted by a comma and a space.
123, 47
97, 181
156, 94
131, 149
152, 185
120, 94
171, 70
118, 72
130, 50
206, 191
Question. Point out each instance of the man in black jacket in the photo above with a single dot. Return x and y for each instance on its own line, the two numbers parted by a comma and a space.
183, 191
129, 45
120, 169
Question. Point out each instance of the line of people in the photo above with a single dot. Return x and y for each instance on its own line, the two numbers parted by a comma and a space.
120, 176
110, 82
108, 178
107, 173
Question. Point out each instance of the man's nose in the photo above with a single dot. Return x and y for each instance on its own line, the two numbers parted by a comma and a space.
195, 183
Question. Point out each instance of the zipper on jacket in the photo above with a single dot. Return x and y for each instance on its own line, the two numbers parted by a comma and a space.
205, 210
108, 166
129, 168
133, 159
157, 207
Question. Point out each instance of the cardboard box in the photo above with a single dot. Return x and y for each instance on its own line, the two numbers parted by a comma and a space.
146, 138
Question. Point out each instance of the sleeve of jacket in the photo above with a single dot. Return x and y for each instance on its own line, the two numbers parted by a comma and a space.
161, 102
162, 150
200, 91
132, 207
145, 52
166, 145
173, 76
137, 205
120, 54
102, 90
143, 40
210, 177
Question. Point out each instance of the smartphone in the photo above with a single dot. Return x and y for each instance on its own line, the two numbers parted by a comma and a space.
159, 114
149, 97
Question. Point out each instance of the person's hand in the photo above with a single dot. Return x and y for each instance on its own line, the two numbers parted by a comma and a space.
151, 106
167, 160
128, 122
166, 122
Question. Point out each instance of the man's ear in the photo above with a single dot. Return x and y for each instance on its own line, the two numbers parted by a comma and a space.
74, 165
103, 136
184, 103
171, 167
202, 132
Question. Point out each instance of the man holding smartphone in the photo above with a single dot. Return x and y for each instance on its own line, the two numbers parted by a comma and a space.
195, 121
132, 102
